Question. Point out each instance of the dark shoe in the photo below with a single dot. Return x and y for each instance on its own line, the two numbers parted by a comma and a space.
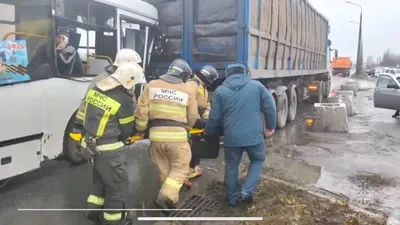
93, 217
234, 203
128, 219
246, 199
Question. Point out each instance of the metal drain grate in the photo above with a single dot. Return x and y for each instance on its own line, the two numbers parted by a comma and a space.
198, 203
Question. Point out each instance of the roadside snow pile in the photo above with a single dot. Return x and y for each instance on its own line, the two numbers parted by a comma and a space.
282, 204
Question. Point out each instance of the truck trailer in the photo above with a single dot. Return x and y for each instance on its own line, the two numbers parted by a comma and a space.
284, 43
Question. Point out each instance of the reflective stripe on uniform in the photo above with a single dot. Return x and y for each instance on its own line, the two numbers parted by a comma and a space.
112, 216
141, 124
200, 90
173, 183
109, 105
171, 135
126, 120
110, 147
80, 115
168, 109
96, 200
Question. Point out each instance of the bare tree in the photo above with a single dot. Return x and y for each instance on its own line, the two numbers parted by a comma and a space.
370, 62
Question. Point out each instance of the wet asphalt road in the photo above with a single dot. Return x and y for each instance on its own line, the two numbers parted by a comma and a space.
362, 165
58, 185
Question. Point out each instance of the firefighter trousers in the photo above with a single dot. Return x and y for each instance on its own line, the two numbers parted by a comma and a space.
172, 160
109, 187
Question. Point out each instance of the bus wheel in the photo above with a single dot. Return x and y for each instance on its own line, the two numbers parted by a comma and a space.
72, 148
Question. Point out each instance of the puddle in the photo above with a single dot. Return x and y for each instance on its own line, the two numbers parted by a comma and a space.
366, 180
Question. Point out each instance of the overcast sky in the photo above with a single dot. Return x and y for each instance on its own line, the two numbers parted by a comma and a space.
381, 25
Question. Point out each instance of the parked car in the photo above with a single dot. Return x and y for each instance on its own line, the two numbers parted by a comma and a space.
394, 71
371, 73
387, 91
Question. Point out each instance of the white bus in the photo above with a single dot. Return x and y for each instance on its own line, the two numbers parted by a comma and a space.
39, 103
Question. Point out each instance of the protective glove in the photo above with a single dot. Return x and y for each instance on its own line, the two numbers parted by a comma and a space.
134, 138
76, 133
200, 124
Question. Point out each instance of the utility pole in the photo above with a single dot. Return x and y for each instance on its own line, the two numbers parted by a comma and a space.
359, 47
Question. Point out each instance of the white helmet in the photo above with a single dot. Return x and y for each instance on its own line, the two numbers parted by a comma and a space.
127, 55
129, 74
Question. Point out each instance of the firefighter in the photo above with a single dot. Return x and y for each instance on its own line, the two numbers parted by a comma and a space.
108, 123
169, 109
123, 55
198, 86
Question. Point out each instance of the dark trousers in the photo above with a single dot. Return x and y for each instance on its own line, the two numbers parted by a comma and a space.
194, 163
110, 181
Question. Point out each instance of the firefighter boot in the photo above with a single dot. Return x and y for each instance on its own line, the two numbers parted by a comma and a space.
164, 203
195, 172
128, 219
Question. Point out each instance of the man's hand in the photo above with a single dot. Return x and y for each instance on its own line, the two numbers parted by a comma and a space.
269, 132
63, 44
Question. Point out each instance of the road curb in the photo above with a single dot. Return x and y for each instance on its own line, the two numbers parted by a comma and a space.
318, 193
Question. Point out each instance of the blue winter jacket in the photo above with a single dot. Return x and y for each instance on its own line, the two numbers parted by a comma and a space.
236, 111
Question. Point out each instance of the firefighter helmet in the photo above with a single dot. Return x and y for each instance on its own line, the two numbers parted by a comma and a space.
208, 74
178, 72
127, 55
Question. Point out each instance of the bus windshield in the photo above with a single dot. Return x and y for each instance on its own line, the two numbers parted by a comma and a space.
27, 44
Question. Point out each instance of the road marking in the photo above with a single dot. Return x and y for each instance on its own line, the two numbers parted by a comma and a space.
200, 218
101, 210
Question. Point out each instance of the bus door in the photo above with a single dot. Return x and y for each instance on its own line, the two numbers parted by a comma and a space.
136, 34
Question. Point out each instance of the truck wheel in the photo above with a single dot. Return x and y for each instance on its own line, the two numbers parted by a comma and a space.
293, 106
282, 111
72, 149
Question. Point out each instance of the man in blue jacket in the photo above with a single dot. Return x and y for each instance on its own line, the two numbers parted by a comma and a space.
236, 109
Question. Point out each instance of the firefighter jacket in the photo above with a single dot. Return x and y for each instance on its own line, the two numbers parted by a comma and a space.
81, 110
168, 109
199, 90
109, 116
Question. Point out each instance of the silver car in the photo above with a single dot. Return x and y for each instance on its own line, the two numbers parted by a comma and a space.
387, 91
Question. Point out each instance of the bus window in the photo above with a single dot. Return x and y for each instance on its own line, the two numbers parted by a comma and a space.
96, 45
87, 42
27, 44
134, 37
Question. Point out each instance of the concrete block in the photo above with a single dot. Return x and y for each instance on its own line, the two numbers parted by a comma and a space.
330, 117
355, 84
334, 99
348, 99
349, 87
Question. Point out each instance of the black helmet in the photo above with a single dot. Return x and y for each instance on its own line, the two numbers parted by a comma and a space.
208, 74
179, 71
